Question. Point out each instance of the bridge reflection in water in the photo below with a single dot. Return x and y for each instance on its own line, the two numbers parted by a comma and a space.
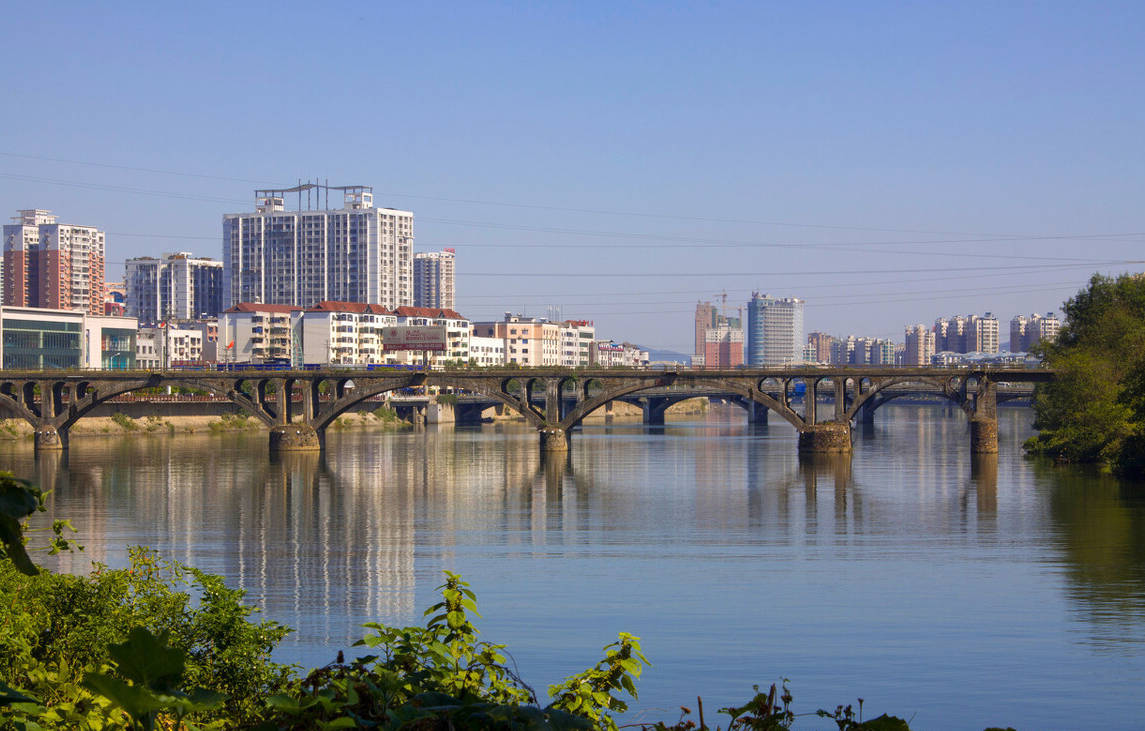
298, 406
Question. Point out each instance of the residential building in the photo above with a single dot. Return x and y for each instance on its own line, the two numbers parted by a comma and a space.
576, 337
607, 354
919, 345
344, 333
1026, 332
457, 330
820, 347
723, 345
177, 286
982, 335
486, 352
42, 338
529, 341
169, 346
357, 253
774, 331
434, 279
706, 314
261, 333
719, 339
53, 265
966, 334
115, 299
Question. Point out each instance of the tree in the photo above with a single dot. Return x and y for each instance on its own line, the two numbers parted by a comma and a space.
1094, 410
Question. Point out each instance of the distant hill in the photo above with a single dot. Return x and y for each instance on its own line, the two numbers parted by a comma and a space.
668, 355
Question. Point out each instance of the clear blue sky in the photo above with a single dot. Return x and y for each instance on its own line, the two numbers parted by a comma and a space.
819, 150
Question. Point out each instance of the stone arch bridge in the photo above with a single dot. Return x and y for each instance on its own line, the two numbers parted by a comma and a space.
297, 406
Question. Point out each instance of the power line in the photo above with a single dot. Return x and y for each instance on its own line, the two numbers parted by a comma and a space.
593, 211
790, 273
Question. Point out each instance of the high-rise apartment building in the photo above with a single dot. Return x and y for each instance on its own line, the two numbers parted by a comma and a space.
1026, 332
176, 287
719, 338
357, 253
960, 334
919, 345
723, 346
819, 345
706, 314
982, 336
774, 331
433, 279
53, 265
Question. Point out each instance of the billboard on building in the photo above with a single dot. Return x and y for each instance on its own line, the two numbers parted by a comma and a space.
413, 337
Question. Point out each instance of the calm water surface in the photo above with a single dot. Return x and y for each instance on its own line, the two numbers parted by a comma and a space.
956, 592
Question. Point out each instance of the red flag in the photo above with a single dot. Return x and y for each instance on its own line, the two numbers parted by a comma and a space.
232, 344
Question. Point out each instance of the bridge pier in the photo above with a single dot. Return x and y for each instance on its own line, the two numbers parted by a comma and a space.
47, 438
295, 438
830, 437
984, 421
757, 413
553, 439
983, 435
653, 410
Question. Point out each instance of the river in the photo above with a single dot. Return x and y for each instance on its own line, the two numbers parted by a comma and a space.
955, 592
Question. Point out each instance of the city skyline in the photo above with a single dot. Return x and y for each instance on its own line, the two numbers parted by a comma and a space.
887, 165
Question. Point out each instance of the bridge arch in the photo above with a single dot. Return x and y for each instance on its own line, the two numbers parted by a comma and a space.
594, 402
876, 394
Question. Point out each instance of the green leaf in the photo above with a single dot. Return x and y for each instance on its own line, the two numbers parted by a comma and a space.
137, 700
147, 660
9, 695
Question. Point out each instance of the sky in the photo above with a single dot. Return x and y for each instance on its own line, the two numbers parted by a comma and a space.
889, 163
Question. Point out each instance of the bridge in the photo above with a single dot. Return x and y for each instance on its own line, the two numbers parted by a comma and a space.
298, 406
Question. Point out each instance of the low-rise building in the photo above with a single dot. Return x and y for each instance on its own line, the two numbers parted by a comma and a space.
486, 352
37, 338
344, 333
607, 354
457, 330
169, 346
260, 333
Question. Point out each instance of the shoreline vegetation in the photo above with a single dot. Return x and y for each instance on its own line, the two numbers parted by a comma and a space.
160, 645
1094, 409
383, 417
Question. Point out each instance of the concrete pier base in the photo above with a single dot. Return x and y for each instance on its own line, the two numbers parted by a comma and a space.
48, 439
828, 438
295, 438
983, 435
554, 439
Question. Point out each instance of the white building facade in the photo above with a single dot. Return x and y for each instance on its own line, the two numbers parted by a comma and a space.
357, 253
774, 334
434, 280
177, 286
607, 354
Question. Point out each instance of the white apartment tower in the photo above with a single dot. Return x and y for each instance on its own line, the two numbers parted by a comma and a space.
774, 331
177, 287
357, 253
1026, 332
433, 279
919, 345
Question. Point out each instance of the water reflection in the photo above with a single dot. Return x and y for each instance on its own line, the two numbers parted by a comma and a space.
1099, 525
611, 530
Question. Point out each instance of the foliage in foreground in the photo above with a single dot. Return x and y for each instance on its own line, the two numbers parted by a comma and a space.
160, 645
1094, 410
